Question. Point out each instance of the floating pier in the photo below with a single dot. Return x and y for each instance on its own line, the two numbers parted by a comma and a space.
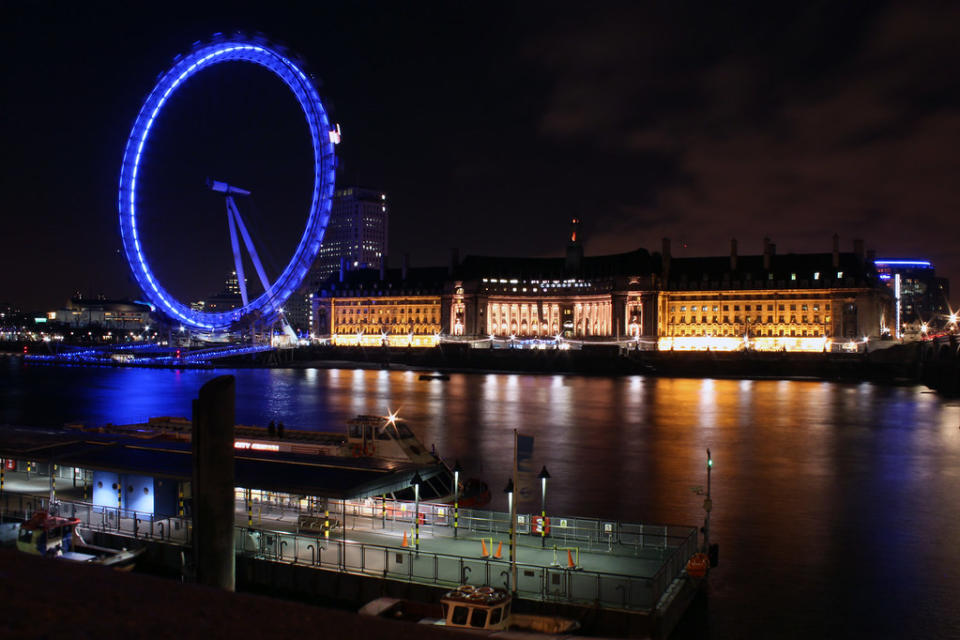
350, 544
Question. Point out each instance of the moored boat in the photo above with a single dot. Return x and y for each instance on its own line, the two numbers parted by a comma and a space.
367, 437
57, 537
479, 609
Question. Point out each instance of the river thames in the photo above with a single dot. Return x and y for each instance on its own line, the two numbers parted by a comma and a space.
836, 506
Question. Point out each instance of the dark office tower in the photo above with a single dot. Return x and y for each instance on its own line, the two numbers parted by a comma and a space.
357, 231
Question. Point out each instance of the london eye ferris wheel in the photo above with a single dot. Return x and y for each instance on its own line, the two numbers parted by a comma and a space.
323, 138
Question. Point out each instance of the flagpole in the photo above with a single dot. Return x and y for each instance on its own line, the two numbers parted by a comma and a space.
513, 518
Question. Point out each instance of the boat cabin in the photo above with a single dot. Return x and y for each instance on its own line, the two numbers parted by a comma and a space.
46, 535
389, 437
470, 607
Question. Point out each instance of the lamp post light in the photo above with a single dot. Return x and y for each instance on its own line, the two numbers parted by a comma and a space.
544, 475
513, 519
456, 496
415, 483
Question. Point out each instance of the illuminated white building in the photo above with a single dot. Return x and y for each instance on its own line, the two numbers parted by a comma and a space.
794, 302
595, 298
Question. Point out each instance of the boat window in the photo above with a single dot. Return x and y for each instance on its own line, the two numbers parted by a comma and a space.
382, 434
404, 430
479, 618
495, 615
459, 615
353, 431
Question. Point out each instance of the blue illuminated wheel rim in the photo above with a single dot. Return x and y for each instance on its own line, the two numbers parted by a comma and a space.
305, 90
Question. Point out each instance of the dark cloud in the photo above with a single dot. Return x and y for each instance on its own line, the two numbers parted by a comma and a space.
489, 127
806, 130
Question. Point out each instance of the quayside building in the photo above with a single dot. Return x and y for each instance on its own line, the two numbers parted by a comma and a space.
794, 302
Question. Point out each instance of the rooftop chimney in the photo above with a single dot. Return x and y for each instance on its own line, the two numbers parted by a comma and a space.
454, 260
768, 249
733, 254
836, 251
574, 248
404, 265
343, 268
665, 254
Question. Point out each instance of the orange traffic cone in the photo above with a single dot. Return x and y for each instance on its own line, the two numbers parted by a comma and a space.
483, 549
405, 543
499, 550
570, 564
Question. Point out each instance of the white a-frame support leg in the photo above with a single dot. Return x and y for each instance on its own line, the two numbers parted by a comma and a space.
233, 215
237, 258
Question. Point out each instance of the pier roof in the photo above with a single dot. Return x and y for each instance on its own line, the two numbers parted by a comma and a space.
324, 476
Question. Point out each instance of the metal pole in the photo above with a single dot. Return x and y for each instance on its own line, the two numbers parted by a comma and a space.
513, 519
456, 501
707, 506
416, 515
543, 513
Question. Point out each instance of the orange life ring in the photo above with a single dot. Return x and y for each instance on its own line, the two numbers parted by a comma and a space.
355, 449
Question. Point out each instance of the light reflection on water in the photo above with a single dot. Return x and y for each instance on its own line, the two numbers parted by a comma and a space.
836, 505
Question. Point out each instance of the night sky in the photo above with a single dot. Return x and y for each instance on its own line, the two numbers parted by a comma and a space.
488, 126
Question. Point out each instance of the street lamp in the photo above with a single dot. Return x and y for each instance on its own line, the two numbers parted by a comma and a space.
544, 475
456, 496
415, 483
513, 520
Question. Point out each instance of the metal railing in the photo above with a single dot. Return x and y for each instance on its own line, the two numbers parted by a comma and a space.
124, 522
536, 582
589, 534
670, 545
